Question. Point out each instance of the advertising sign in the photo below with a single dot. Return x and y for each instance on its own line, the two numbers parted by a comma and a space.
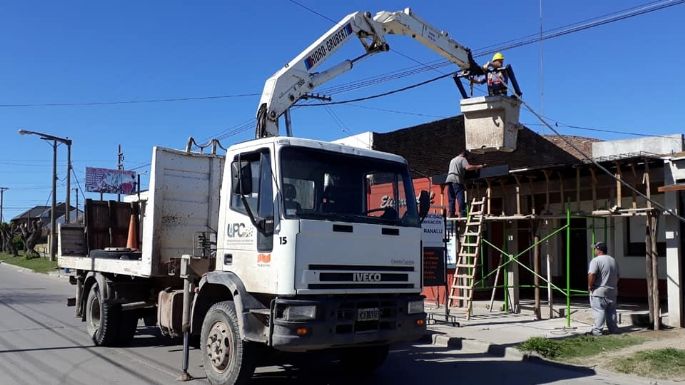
105, 180
433, 251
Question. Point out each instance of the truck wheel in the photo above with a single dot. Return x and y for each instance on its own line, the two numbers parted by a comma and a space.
127, 327
102, 318
227, 359
150, 319
364, 360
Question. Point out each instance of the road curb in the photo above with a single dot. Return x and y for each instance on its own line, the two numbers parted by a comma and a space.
52, 274
18, 268
459, 343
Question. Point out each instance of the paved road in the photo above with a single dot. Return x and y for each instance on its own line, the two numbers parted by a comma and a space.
41, 342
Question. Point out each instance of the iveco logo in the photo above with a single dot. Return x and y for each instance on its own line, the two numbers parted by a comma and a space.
367, 277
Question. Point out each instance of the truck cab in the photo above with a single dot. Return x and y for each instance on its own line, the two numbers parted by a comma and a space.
326, 237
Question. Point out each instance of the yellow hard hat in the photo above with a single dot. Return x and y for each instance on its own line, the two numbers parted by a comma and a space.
498, 56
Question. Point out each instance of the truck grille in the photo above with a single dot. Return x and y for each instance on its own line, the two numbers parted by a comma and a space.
361, 277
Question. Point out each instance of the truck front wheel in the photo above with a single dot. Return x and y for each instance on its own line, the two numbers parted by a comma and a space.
226, 357
102, 318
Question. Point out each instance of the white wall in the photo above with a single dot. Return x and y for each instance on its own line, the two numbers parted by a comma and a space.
363, 140
667, 144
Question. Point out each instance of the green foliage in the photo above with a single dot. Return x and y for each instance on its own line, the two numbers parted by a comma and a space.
39, 265
578, 346
543, 346
660, 363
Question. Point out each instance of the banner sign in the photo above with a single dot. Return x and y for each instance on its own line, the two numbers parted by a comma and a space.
433, 251
105, 180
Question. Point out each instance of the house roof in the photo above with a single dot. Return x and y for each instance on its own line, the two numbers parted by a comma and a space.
568, 142
429, 148
42, 211
34, 212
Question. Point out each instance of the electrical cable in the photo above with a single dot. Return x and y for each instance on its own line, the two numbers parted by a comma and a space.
596, 164
140, 101
78, 184
534, 38
381, 94
529, 39
398, 112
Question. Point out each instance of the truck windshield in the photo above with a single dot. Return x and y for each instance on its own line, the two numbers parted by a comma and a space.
319, 184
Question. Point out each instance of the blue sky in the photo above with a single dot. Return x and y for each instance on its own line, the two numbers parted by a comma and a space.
623, 76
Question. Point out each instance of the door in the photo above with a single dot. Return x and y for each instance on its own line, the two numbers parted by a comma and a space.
579, 256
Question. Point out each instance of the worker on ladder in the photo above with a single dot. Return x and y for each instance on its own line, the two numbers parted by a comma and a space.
497, 76
455, 183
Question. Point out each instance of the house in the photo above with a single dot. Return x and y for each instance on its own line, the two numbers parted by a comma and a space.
42, 213
559, 182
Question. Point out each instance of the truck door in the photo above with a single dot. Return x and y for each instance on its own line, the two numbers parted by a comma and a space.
249, 244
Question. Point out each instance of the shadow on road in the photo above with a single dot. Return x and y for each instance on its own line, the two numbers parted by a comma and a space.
421, 365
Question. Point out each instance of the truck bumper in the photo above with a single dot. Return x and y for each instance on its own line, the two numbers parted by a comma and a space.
338, 324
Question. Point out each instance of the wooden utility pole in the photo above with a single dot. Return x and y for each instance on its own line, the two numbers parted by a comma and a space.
652, 259
536, 268
120, 166
76, 195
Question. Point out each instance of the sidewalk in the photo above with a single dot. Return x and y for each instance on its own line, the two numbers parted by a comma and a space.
498, 332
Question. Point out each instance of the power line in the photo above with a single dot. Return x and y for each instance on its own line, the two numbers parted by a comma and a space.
560, 124
397, 112
515, 43
381, 94
334, 22
430, 66
312, 11
618, 16
139, 101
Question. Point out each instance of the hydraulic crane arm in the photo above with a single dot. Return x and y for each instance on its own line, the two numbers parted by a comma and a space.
298, 78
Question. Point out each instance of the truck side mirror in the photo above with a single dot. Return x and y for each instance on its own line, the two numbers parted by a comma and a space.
241, 173
424, 203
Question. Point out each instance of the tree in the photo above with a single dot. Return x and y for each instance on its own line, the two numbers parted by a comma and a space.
7, 234
30, 234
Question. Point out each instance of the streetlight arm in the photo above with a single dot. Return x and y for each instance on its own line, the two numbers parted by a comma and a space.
45, 136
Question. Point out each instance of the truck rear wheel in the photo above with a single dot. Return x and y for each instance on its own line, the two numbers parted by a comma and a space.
127, 327
102, 318
227, 359
364, 360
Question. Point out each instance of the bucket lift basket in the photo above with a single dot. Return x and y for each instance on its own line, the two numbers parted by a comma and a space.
491, 123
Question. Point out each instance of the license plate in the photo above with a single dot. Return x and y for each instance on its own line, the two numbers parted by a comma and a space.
368, 314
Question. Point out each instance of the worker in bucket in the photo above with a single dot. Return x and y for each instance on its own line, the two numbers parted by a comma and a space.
496, 78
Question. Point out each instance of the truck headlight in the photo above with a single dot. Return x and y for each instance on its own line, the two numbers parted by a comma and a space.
415, 307
299, 313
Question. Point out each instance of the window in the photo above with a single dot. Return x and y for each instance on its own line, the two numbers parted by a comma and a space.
635, 237
329, 185
260, 200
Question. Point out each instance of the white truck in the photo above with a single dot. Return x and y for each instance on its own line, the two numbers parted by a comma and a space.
293, 244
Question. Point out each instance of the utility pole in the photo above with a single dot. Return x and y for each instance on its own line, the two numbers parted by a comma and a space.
53, 223
120, 166
76, 195
67, 204
53, 207
2, 193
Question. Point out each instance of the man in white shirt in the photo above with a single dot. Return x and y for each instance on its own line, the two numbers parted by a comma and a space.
602, 282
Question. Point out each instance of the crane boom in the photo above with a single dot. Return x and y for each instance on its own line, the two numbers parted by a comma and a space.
299, 77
